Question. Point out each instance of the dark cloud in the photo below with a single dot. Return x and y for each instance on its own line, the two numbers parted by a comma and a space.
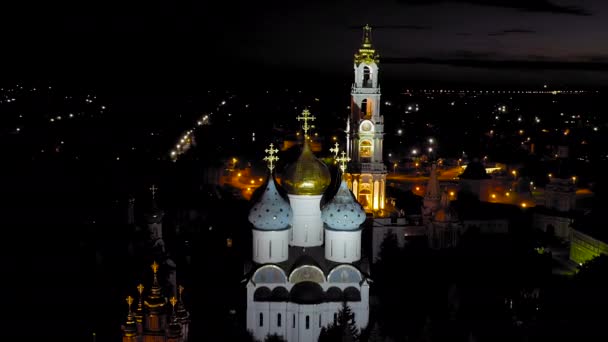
546, 6
394, 27
511, 31
503, 64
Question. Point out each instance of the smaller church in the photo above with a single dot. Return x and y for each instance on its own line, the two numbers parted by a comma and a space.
155, 319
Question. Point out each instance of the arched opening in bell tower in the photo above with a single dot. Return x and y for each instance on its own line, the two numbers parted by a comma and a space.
365, 151
367, 77
366, 109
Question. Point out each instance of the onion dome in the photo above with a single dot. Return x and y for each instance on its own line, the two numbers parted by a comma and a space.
271, 211
130, 328
307, 176
343, 212
155, 301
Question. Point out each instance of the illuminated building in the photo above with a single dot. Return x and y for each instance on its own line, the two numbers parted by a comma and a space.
444, 228
557, 214
156, 319
306, 256
365, 131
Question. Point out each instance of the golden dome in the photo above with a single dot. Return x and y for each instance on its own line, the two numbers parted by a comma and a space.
307, 176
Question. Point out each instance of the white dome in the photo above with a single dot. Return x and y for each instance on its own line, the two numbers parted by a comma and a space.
271, 212
343, 212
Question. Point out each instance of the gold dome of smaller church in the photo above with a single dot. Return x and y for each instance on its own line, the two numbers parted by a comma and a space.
307, 176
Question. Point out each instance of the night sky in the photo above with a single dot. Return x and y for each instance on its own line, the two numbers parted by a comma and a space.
487, 42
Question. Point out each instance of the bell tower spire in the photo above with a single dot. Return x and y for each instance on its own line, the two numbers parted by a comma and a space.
365, 129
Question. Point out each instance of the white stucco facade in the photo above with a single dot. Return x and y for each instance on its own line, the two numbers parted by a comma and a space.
307, 226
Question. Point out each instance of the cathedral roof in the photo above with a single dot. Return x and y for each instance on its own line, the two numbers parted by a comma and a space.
271, 211
343, 212
307, 176
474, 170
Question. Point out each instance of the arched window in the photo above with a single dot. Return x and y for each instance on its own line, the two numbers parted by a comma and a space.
319, 320
307, 322
367, 79
365, 150
335, 318
261, 319
293, 325
278, 320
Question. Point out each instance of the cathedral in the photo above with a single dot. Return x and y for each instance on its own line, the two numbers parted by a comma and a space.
306, 239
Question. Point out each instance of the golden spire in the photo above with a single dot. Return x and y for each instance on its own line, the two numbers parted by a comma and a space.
180, 291
173, 301
155, 300
335, 150
130, 302
271, 158
155, 269
140, 304
306, 116
130, 328
367, 39
367, 54
343, 160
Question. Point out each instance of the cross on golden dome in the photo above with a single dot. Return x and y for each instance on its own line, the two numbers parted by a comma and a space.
335, 150
343, 159
173, 301
306, 116
140, 289
153, 189
271, 158
129, 301
154, 267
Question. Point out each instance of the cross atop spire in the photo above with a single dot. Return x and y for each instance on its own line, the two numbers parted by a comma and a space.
343, 159
367, 39
153, 189
306, 116
335, 150
271, 158
129, 301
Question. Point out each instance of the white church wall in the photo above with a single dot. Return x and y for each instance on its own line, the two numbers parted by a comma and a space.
342, 246
270, 246
307, 226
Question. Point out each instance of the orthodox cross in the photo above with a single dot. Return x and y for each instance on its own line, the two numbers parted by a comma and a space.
129, 301
335, 150
173, 301
153, 188
306, 117
343, 160
271, 158
140, 289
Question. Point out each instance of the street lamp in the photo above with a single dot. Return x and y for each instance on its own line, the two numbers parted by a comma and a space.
395, 168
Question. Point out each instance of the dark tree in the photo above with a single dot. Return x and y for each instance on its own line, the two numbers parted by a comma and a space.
343, 330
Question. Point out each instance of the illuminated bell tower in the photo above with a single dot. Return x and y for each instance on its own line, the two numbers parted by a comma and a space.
365, 130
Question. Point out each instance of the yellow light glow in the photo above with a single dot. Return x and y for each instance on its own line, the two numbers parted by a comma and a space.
493, 195
252, 181
417, 188
514, 172
524, 204
238, 174
508, 194
451, 193
261, 179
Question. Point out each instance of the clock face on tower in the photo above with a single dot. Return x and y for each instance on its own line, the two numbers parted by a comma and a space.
366, 126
